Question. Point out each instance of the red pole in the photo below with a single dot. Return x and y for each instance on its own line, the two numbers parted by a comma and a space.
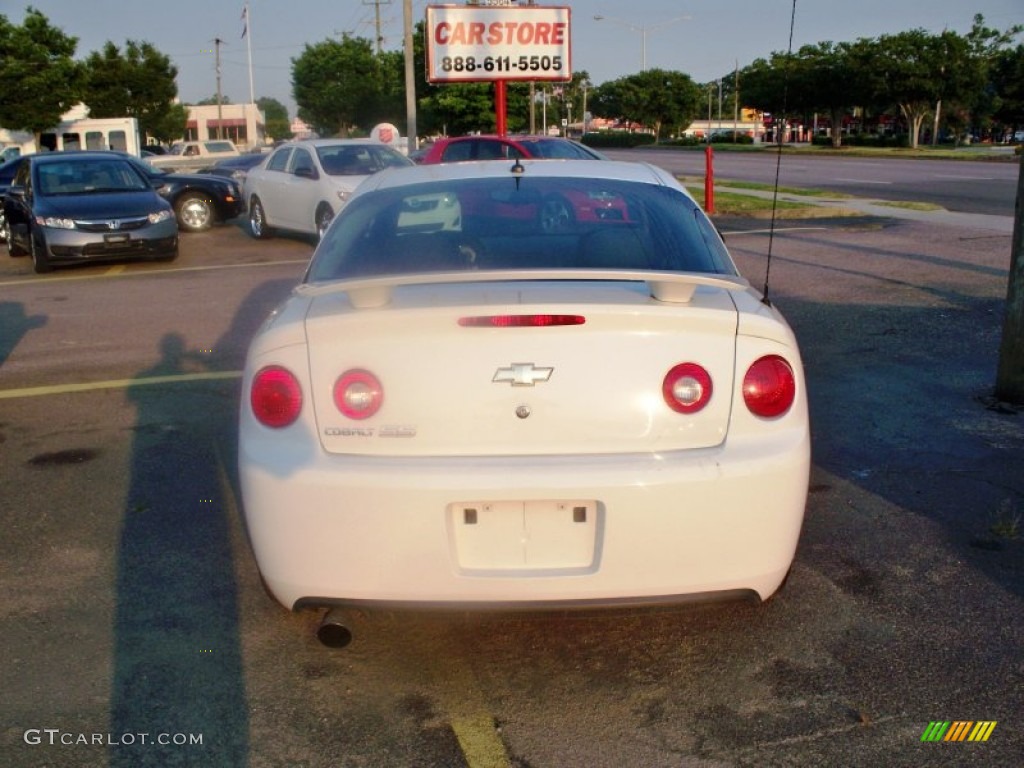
499, 106
709, 180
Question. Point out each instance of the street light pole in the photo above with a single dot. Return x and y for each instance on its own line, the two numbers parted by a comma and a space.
643, 29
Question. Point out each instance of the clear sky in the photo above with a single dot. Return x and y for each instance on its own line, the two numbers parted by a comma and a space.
706, 39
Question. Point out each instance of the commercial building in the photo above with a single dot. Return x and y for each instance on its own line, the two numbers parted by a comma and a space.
243, 124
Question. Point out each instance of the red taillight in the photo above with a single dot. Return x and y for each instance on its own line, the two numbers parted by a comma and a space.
519, 321
358, 394
769, 388
275, 397
687, 388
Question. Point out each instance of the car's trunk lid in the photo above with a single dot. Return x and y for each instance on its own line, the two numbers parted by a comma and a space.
588, 388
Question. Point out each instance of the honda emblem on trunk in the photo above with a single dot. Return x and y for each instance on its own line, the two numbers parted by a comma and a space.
522, 375
113, 224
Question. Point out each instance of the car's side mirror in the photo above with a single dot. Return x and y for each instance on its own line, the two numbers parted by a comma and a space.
307, 173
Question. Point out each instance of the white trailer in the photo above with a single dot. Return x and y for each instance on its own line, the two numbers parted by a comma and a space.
118, 133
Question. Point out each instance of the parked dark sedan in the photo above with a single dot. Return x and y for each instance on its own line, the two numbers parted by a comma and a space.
7, 171
74, 207
199, 200
235, 167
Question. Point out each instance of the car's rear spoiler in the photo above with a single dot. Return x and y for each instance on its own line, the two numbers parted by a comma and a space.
671, 287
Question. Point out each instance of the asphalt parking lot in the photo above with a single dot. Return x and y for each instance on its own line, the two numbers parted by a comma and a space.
134, 606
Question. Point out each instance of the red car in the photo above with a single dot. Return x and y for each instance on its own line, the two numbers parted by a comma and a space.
461, 148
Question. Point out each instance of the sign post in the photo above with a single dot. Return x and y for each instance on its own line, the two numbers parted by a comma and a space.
497, 41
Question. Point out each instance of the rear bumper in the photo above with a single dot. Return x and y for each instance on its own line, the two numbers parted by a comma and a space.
329, 530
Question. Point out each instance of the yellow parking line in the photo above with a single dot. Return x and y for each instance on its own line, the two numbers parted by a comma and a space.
479, 743
465, 704
116, 270
125, 272
63, 389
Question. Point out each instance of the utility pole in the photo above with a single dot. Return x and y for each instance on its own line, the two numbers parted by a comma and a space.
376, 10
736, 104
220, 115
533, 100
1010, 375
410, 79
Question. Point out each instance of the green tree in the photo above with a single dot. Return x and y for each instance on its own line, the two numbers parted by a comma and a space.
455, 109
338, 85
41, 80
917, 71
211, 101
991, 105
655, 97
818, 78
389, 107
275, 115
763, 85
827, 79
1007, 76
139, 83
170, 126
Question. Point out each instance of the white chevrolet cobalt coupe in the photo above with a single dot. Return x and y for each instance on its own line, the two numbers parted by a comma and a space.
538, 384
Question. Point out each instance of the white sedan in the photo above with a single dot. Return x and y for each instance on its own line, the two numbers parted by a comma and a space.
303, 184
539, 384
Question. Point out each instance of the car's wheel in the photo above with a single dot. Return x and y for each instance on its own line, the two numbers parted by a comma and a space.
40, 261
258, 220
556, 214
324, 216
194, 212
13, 249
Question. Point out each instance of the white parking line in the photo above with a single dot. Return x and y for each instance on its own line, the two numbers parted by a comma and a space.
62, 389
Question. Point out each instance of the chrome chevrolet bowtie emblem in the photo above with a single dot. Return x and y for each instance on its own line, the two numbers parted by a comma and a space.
522, 375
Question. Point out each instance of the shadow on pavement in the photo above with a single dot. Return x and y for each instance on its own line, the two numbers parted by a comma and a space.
178, 673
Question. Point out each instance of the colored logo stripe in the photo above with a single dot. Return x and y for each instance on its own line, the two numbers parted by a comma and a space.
935, 731
982, 730
958, 730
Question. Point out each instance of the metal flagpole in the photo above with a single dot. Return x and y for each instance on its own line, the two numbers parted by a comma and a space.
248, 45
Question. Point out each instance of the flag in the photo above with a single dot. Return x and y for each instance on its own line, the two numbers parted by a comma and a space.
245, 20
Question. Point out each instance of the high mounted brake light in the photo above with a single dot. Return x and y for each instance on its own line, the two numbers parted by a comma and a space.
519, 321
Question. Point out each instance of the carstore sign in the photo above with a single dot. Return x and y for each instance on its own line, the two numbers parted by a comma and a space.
478, 43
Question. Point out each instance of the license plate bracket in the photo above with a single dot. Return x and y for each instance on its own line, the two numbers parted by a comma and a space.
524, 535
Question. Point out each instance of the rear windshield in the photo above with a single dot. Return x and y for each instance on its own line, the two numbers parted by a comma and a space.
529, 223
358, 159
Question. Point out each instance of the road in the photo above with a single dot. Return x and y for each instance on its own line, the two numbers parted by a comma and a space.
971, 186
133, 611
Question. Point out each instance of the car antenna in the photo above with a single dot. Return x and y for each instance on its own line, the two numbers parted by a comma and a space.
517, 170
778, 158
